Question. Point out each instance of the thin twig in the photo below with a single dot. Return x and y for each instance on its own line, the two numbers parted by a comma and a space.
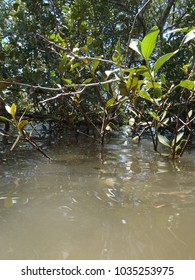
60, 88
72, 54
131, 31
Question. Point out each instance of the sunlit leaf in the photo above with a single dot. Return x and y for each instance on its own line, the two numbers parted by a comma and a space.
142, 70
95, 64
178, 138
131, 121
187, 84
67, 81
73, 66
144, 94
149, 42
8, 109
161, 61
163, 140
190, 113
189, 36
85, 49
136, 139
132, 82
154, 115
136, 46
87, 81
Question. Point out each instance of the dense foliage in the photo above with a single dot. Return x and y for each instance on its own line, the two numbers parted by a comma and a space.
102, 64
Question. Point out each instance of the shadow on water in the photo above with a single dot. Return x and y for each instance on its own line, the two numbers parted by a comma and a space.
123, 203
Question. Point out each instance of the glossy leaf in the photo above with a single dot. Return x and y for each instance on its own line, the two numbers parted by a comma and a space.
95, 64
142, 70
161, 61
136, 46
132, 82
189, 36
149, 42
187, 84
110, 102
178, 138
190, 113
163, 140
144, 94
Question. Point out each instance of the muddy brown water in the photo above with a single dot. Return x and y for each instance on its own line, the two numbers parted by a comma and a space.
123, 202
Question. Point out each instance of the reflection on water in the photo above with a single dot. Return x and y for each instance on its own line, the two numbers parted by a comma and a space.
123, 203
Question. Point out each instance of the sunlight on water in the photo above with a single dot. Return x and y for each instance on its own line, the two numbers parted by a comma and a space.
122, 203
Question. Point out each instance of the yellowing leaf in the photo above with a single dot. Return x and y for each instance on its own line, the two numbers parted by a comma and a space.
22, 124
89, 40
13, 110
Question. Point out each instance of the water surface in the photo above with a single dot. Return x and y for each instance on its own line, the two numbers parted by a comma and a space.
123, 202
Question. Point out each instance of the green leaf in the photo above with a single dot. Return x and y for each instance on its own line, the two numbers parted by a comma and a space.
190, 113
85, 49
143, 70
144, 94
67, 81
149, 42
159, 63
178, 138
89, 40
135, 45
123, 89
95, 64
187, 84
157, 92
163, 140
13, 110
22, 124
5, 119
132, 82
73, 66
87, 81
154, 115
110, 102
163, 79
62, 64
